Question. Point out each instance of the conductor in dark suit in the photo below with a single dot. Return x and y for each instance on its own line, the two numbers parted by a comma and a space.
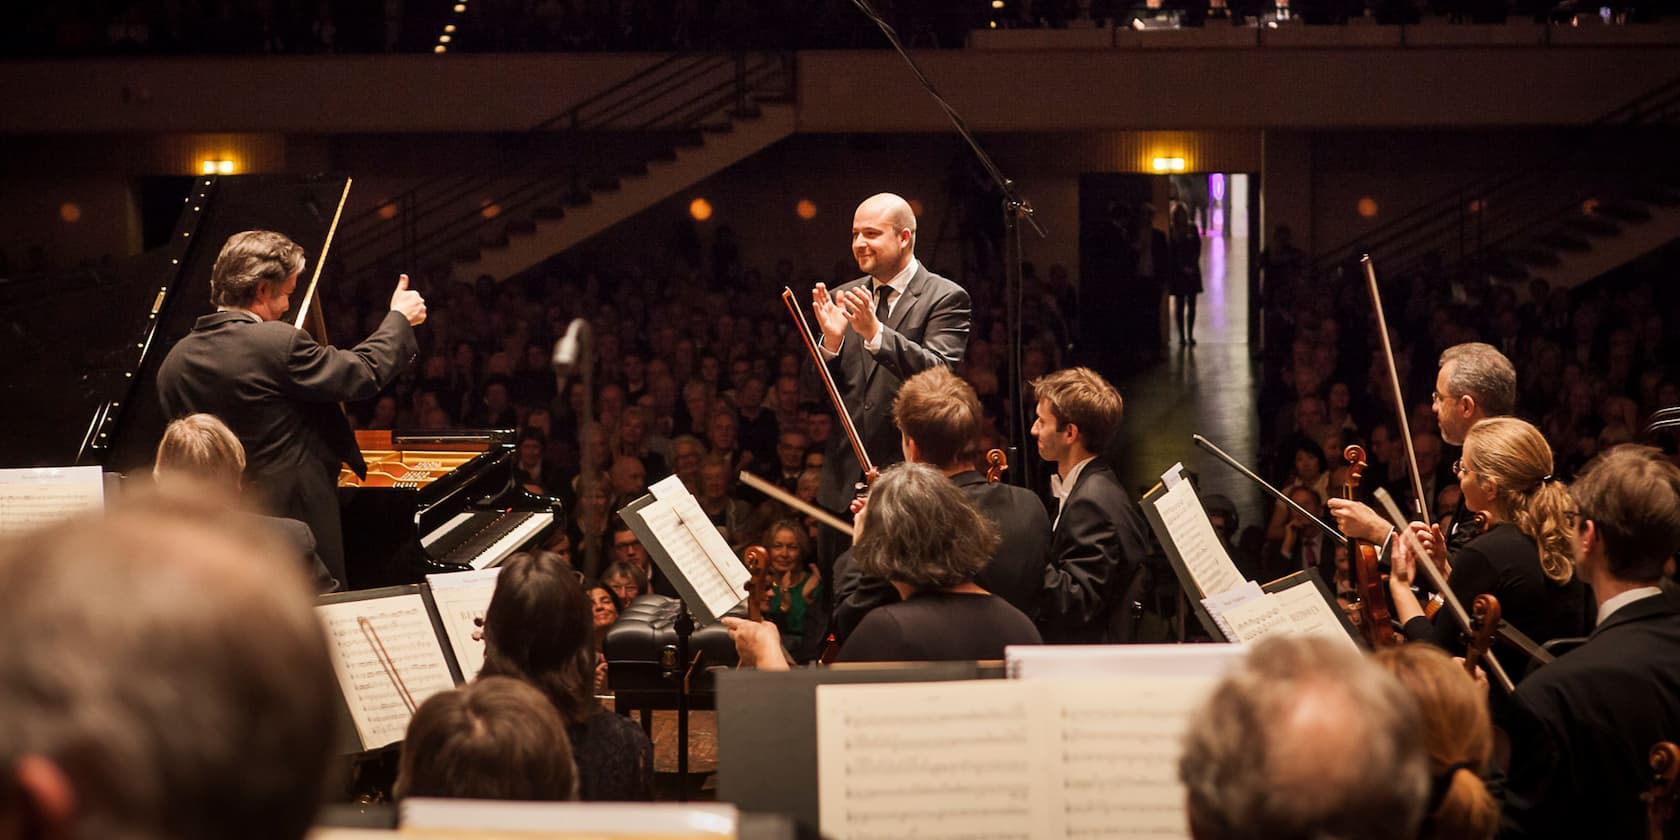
1097, 541
939, 418
877, 331
1582, 726
279, 390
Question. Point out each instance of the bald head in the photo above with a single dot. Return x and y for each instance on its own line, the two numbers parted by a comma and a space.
883, 235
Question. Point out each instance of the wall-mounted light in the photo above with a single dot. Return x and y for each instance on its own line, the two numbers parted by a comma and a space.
440, 49
700, 209
1167, 164
805, 209
70, 212
1367, 207
216, 167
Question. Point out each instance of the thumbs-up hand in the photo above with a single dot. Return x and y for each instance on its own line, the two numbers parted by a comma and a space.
408, 302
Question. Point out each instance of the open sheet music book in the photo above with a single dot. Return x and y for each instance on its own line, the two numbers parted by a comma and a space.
33, 497
688, 548
1055, 756
462, 598
389, 653
1229, 606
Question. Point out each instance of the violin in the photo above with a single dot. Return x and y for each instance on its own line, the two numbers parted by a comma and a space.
1665, 786
1375, 620
996, 463
757, 561
1484, 623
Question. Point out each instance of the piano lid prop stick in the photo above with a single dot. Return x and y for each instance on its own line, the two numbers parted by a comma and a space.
387, 662
796, 503
321, 259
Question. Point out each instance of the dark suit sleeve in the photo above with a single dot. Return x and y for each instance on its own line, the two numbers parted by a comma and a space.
1472, 575
943, 342
327, 374
1538, 783
1078, 579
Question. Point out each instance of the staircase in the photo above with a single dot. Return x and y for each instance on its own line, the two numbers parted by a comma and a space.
574, 175
1608, 201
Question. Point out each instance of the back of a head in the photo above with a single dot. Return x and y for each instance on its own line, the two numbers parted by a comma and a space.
1632, 496
496, 738
538, 629
199, 451
1458, 736
921, 530
174, 671
939, 412
1515, 456
1485, 374
1307, 739
1082, 397
248, 258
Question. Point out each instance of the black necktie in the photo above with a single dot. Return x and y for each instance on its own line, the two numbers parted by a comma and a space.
883, 300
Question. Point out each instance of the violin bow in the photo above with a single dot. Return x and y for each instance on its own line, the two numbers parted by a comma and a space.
869, 471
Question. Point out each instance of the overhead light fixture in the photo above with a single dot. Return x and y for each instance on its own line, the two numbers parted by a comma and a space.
440, 49
443, 39
216, 167
1167, 164
449, 27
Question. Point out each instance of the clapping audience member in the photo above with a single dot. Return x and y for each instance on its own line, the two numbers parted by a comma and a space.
796, 595
539, 629
494, 738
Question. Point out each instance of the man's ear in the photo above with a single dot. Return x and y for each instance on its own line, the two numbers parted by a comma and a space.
43, 799
1467, 405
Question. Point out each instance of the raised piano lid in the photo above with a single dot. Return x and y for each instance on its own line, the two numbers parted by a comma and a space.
82, 350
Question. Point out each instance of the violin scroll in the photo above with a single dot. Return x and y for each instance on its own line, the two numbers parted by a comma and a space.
996, 463
757, 561
1665, 786
1484, 622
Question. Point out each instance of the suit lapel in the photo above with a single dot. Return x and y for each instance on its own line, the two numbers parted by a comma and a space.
901, 311
1655, 606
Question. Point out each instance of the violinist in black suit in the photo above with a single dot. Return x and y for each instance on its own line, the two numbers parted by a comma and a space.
279, 390
877, 331
1582, 726
939, 417
1097, 540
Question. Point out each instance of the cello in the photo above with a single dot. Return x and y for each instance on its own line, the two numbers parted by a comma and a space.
1375, 620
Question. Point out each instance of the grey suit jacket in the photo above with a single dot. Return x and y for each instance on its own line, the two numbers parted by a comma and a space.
929, 326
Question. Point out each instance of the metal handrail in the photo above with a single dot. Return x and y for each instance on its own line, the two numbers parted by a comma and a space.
1657, 106
707, 85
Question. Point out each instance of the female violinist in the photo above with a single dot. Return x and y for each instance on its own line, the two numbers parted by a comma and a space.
1523, 557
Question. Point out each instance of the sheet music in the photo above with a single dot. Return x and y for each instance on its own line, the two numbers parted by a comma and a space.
1120, 741
462, 599
693, 543
1310, 615
951, 759
1253, 620
1029, 662
371, 690
37, 496
1218, 605
497, 818
1203, 552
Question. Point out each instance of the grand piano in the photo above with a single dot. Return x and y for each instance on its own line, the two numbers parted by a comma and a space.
82, 352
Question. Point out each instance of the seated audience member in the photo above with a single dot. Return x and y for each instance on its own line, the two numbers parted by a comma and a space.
165, 678
919, 532
1306, 739
626, 580
200, 458
538, 628
1582, 725
627, 548
604, 610
1457, 735
796, 596
495, 738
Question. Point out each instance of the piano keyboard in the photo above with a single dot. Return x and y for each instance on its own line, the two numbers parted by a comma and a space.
482, 539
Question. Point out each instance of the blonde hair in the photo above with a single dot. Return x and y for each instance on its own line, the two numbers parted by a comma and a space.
1515, 457
1458, 736
201, 447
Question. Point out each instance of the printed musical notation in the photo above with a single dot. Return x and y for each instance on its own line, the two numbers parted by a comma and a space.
33, 497
1081, 757
387, 656
462, 599
1193, 535
702, 556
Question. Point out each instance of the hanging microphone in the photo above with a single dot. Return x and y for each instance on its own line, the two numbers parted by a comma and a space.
572, 351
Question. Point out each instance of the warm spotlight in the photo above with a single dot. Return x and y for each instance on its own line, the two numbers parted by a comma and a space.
444, 39
70, 212
700, 209
440, 49
388, 211
491, 211
216, 167
1167, 164
805, 209
449, 27
1368, 207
